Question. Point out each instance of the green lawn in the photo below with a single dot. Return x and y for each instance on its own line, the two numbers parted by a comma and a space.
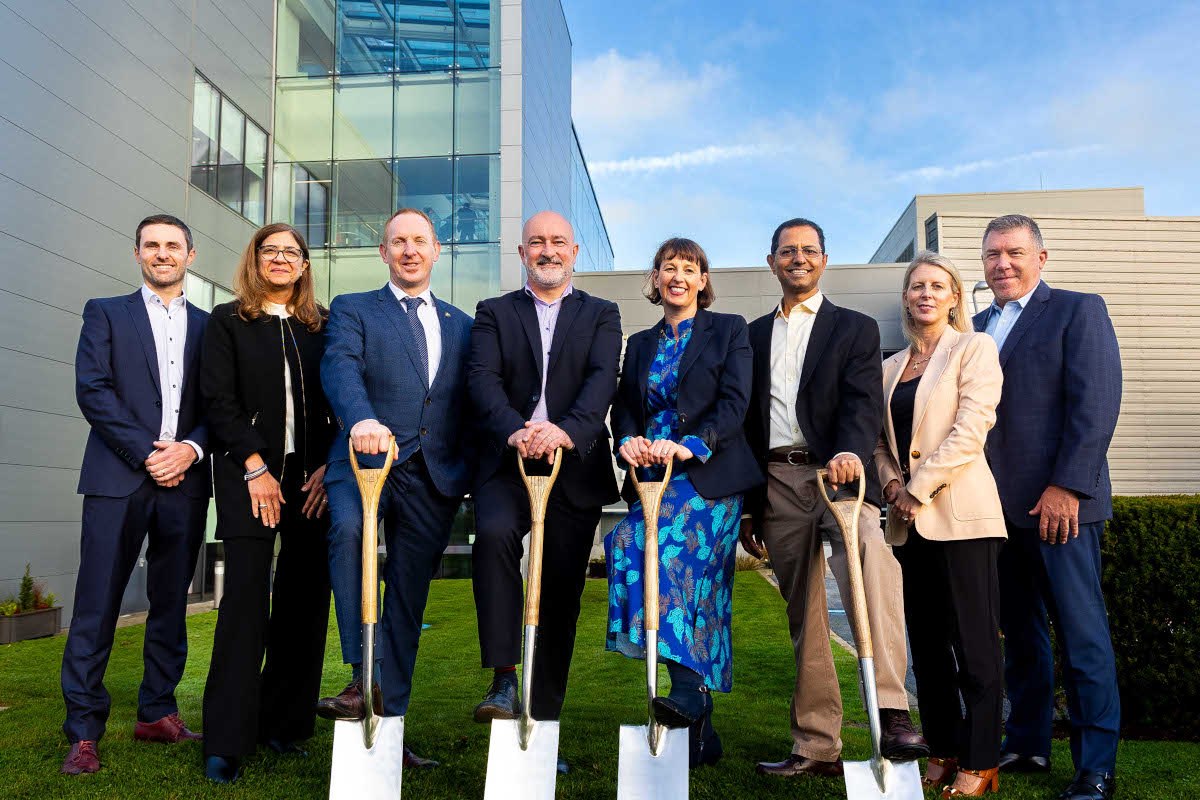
606, 691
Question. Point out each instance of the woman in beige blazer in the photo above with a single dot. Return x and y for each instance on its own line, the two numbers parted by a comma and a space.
945, 523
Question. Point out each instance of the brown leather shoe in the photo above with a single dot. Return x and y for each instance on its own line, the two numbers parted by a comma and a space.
169, 730
795, 765
901, 742
414, 761
973, 783
349, 704
82, 760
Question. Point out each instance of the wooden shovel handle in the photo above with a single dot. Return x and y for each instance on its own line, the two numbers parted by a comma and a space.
859, 616
651, 494
538, 487
370, 486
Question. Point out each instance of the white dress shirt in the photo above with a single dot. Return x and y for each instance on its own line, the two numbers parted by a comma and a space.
427, 315
169, 326
789, 343
1004, 319
547, 314
289, 426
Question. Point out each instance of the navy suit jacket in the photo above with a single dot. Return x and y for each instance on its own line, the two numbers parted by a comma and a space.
505, 380
715, 377
839, 403
372, 370
1059, 406
117, 388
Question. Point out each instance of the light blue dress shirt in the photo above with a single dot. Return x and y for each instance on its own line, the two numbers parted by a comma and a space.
1003, 320
547, 314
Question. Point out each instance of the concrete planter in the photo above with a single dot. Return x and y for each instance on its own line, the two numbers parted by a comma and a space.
30, 625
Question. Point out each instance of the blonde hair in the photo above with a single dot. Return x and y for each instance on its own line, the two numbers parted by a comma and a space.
958, 313
251, 288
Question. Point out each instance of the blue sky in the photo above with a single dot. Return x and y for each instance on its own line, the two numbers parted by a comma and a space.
717, 120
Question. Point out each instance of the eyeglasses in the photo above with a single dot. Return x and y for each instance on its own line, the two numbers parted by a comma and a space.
290, 254
789, 253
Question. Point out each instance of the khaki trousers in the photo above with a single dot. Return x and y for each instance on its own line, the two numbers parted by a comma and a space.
793, 523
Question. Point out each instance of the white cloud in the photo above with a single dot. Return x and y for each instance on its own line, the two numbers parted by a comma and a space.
703, 156
934, 173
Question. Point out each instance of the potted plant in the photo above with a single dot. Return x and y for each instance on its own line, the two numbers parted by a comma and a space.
31, 614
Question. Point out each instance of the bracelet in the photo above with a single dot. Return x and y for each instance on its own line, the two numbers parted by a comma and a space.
252, 474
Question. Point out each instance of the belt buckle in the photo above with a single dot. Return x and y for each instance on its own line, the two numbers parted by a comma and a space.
803, 454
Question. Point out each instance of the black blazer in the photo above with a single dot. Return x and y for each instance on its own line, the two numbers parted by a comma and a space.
715, 376
839, 405
241, 382
504, 379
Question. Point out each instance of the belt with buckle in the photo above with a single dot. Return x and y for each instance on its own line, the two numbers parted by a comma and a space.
797, 457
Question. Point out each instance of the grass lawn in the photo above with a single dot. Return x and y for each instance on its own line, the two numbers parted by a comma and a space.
606, 690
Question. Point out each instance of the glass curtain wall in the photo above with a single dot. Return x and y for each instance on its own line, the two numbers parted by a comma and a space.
382, 104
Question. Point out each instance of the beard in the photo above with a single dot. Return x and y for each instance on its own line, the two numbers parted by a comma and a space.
552, 278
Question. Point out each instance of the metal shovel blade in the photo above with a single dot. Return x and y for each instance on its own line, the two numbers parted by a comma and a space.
362, 773
641, 775
901, 780
516, 774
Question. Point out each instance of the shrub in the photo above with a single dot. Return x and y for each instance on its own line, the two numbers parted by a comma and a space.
1151, 557
8, 607
25, 595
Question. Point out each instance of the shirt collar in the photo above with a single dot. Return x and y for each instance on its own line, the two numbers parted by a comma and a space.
402, 295
540, 301
812, 304
150, 298
1020, 301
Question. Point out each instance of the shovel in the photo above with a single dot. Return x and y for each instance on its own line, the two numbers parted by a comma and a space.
523, 752
368, 756
879, 778
653, 760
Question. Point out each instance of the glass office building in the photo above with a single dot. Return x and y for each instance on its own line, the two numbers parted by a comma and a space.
382, 104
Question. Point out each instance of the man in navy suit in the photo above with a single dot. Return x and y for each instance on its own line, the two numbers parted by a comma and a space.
144, 473
542, 375
1048, 451
395, 365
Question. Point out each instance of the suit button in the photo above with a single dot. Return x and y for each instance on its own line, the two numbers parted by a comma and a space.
535, 398
683, 418
428, 401
424, 431
915, 454
158, 403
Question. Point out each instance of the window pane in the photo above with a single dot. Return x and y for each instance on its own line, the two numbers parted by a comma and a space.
479, 33
300, 196
424, 36
319, 265
366, 36
424, 106
363, 192
363, 117
356, 270
476, 274
476, 196
229, 173
206, 114
304, 34
304, 119
425, 183
254, 190
477, 112
199, 291
221, 295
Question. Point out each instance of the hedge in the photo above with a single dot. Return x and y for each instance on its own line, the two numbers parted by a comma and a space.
1151, 558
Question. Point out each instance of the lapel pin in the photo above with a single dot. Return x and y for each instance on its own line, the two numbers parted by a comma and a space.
445, 313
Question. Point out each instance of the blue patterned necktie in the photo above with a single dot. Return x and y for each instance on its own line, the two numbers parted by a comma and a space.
411, 304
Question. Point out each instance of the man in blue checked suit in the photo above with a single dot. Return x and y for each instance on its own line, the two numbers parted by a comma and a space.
1048, 451
395, 365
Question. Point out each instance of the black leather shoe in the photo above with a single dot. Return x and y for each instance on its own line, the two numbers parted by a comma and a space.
1090, 786
220, 769
286, 748
563, 767
501, 701
704, 745
1016, 762
414, 761
901, 742
681, 709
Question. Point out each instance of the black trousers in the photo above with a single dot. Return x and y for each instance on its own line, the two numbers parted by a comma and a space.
245, 701
502, 519
113, 531
951, 604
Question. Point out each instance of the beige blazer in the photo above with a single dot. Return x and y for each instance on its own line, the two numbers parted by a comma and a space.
954, 408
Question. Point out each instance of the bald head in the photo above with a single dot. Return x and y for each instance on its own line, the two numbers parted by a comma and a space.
548, 250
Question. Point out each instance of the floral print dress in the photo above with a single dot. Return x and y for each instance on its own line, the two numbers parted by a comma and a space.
697, 544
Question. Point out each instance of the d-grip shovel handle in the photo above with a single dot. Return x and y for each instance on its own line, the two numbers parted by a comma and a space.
651, 494
539, 487
858, 596
370, 486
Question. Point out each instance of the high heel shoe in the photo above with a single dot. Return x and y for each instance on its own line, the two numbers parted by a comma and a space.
704, 745
973, 783
940, 771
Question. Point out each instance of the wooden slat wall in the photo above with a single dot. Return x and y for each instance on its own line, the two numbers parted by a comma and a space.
1148, 271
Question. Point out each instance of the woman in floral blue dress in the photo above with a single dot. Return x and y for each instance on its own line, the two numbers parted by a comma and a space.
683, 395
